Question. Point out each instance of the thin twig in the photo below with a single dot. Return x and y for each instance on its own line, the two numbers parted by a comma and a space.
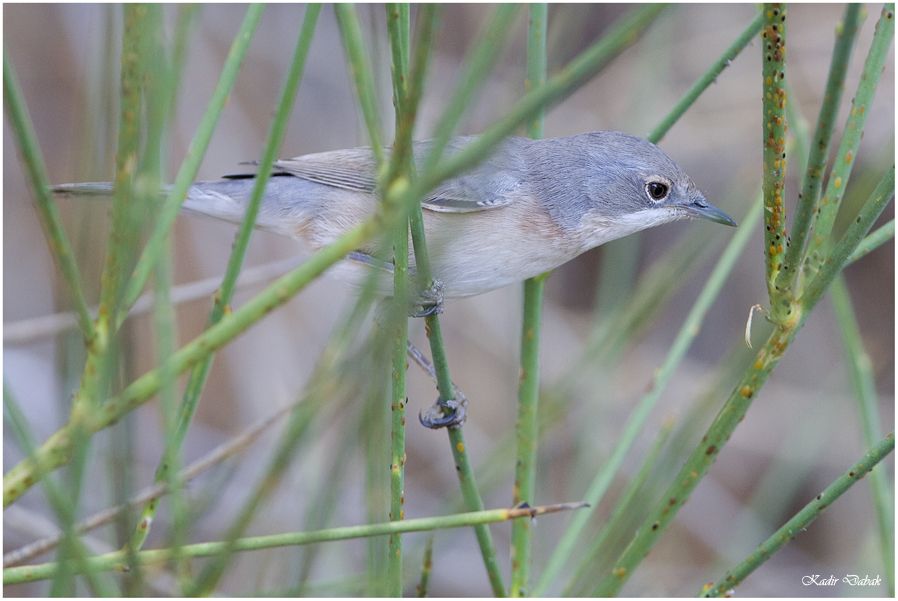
34, 329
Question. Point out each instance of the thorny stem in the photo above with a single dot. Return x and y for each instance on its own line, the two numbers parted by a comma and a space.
846, 32
801, 520
773, 73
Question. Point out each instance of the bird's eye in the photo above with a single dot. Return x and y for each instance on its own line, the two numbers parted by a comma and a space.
657, 191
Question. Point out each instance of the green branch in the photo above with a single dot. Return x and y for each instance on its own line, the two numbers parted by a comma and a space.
873, 241
528, 388
707, 78
829, 204
861, 370
60, 247
398, 26
773, 74
802, 519
189, 168
846, 32
114, 561
223, 296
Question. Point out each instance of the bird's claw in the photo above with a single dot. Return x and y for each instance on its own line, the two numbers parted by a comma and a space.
448, 413
429, 301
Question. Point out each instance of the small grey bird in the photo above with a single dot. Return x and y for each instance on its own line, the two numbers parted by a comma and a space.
530, 207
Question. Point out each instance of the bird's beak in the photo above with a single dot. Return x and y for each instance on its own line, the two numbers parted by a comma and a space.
704, 209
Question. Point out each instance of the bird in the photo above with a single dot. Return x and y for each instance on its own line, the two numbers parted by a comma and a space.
529, 207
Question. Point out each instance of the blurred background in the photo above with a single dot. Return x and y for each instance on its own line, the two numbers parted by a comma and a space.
801, 432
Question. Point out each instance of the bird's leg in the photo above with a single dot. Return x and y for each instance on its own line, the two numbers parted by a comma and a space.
444, 413
429, 301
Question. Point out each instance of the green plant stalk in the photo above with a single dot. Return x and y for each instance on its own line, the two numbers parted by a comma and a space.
113, 561
528, 389
426, 568
707, 78
801, 520
801, 138
397, 24
60, 247
734, 409
187, 14
53, 452
861, 371
478, 65
846, 32
322, 389
873, 241
773, 75
625, 502
686, 335
158, 89
424, 280
187, 174
828, 205
857, 230
222, 299
351, 35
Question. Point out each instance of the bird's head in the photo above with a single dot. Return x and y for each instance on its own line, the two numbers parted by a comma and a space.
628, 184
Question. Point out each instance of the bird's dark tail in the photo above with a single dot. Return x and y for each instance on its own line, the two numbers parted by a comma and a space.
84, 189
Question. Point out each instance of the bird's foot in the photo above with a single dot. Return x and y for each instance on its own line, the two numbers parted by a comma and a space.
429, 301
448, 413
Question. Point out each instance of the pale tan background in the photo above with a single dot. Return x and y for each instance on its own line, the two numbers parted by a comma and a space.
58, 53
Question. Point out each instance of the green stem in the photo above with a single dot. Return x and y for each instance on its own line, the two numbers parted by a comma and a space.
688, 331
186, 175
398, 27
426, 567
223, 296
60, 247
528, 389
829, 204
113, 561
801, 520
478, 65
624, 505
707, 78
734, 409
846, 32
773, 106
873, 241
351, 34
861, 370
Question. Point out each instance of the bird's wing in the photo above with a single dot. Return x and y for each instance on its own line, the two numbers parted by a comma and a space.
488, 186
